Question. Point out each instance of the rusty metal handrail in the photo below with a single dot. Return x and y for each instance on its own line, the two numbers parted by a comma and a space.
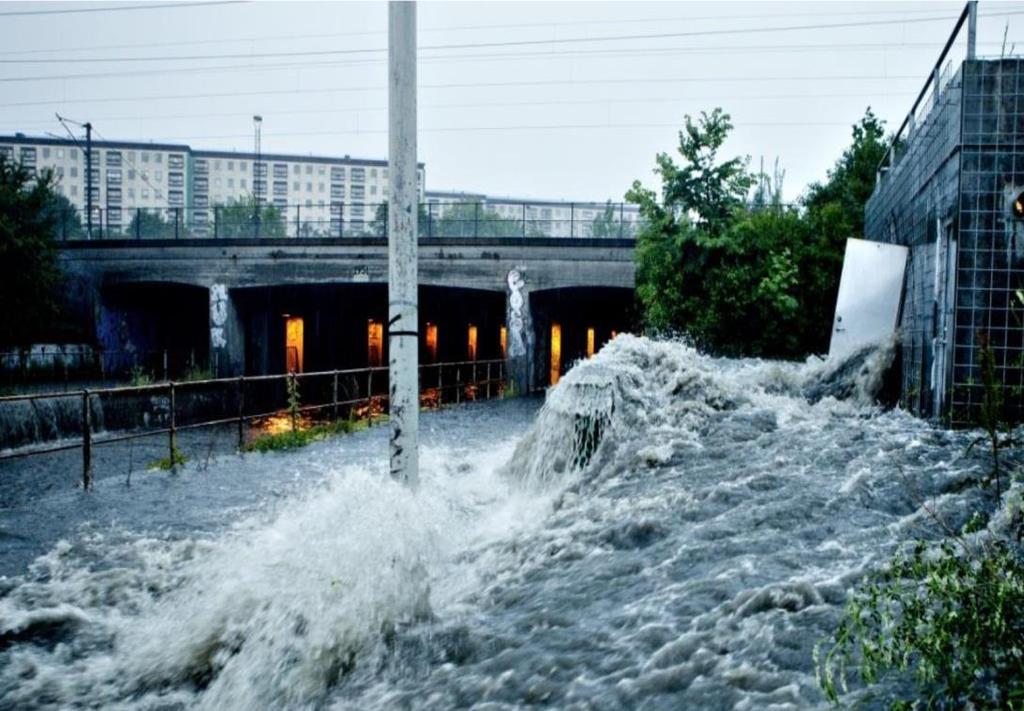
89, 439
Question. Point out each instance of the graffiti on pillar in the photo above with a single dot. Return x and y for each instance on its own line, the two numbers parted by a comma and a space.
516, 315
218, 315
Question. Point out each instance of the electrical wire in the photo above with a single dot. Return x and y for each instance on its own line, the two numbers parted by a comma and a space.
378, 88
503, 43
477, 28
119, 8
496, 105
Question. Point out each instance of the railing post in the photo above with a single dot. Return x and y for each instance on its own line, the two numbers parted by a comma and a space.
488, 380
216, 222
241, 412
572, 219
369, 397
86, 442
334, 397
138, 223
172, 442
524, 220
298, 220
476, 385
440, 386
430, 219
476, 219
622, 217
458, 384
165, 364
177, 221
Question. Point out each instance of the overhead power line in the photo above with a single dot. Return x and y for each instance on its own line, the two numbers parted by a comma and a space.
488, 105
874, 12
118, 8
503, 43
531, 127
465, 85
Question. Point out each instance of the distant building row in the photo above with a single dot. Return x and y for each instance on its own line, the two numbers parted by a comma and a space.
315, 195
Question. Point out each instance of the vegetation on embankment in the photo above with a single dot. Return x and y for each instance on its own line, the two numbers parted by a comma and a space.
301, 436
948, 614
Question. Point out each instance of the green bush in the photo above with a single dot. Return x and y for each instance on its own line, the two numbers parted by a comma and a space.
299, 437
954, 616
176, 459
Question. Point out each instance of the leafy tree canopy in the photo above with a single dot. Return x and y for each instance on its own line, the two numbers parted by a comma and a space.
746, 276
29, 275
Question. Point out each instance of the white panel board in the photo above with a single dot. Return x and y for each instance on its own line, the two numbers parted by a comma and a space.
870, 290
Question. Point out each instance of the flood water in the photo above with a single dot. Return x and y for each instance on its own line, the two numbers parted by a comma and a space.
669, 531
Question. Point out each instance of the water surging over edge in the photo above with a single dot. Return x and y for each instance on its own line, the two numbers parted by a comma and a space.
281, 610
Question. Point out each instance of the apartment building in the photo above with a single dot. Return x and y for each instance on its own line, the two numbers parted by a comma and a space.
126, 176
190, 190
313, 195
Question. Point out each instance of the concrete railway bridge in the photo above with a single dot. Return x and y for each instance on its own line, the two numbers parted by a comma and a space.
259, 306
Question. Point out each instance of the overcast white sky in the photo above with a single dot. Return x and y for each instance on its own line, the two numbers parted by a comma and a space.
550, 119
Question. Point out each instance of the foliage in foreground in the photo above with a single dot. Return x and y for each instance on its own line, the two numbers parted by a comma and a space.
29, 274
176, 459
953, 618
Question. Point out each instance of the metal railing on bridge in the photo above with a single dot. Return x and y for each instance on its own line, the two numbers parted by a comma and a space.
43, 423
359, 220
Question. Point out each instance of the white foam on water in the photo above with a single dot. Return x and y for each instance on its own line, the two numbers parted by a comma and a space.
673, 530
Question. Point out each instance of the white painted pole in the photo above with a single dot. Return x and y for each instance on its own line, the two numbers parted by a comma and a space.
403, 203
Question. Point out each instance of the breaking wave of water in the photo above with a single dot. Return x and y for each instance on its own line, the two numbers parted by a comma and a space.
673, 531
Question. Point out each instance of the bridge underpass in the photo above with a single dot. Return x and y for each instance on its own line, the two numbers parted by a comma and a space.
316, 327
262, 306
573, 323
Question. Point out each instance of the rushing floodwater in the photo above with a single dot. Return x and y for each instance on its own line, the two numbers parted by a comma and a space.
692, 560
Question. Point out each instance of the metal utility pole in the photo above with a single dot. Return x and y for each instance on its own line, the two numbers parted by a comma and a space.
257, 124
88, 166
403, 312
88, 179
972, 28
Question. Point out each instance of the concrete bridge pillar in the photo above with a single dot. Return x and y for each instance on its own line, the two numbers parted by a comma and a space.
519, 349
227, 338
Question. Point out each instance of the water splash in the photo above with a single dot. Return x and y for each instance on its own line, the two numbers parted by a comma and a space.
673, 530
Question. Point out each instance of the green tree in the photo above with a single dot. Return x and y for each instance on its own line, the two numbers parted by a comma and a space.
835, 212
852, 180
66, 218
472, 219
149, 224
379, 226
241, 217
747, 277
680, 244
606, 224
29, 275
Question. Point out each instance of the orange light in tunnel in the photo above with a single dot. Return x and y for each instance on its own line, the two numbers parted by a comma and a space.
375, 343
430, 338
503, 341
293, 344
471, 342
556, 353
590, 343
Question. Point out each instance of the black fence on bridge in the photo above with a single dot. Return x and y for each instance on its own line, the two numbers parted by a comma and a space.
338, 221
